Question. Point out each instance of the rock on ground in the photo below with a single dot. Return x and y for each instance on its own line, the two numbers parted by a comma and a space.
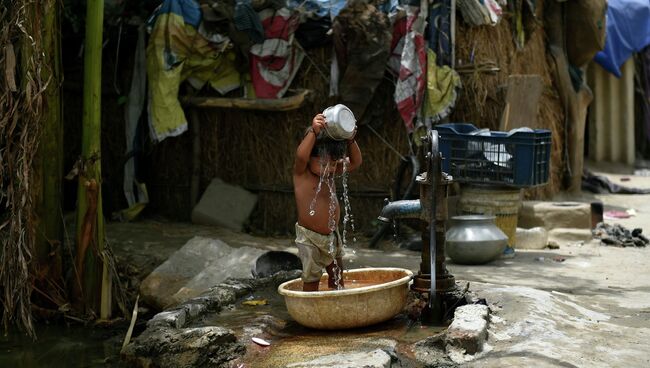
371, 359
188, 347
200, 264
468, 331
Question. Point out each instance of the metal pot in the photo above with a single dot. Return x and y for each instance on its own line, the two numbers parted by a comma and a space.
340, 122
474, 239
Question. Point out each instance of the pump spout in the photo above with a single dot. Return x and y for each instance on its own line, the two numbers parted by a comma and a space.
400, 209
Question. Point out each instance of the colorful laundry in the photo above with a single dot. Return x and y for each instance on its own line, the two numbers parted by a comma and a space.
409, 61
274, 62
440, 31
443, 84
176, 52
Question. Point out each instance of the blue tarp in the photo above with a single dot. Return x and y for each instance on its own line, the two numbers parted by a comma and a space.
188, 9
628, 31
323, 8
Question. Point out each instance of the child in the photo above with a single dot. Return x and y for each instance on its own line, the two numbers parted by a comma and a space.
314, 232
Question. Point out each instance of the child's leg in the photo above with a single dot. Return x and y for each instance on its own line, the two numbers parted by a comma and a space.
310, 286
334, 272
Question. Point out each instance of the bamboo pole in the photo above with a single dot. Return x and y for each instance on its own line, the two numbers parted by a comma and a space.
95, 283
50, 231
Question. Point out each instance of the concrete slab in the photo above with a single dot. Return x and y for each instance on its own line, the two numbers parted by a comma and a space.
224, 205
551, 215
371, 359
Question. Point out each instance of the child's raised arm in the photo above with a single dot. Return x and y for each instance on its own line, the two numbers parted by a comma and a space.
355, 154
303, 152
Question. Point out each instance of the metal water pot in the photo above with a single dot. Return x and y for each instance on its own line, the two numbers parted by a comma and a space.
340, 122
474, 239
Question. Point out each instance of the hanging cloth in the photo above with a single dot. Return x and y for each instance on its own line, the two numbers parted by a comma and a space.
409, 61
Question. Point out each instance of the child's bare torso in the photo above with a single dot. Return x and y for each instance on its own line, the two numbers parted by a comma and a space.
305, 186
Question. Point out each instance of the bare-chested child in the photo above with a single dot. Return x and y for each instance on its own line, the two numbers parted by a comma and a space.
314, 232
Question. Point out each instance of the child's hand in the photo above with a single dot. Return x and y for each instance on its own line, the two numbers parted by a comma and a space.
318, 123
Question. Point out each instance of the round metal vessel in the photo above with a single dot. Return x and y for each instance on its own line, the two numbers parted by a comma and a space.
474, 239
372, 295
340, 122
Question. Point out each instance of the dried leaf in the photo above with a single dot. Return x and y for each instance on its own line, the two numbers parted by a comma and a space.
10, 67
255, 302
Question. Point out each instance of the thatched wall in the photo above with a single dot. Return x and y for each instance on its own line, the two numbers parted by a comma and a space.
483, 98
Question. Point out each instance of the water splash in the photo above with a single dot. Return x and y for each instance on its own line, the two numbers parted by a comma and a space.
395, 231
324, 169
331, 224
348, 218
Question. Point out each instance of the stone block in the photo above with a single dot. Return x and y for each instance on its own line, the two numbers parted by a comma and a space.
551, 215
535, 238
224, 205
468, 331
569, 235
370, 359
200, 264
174, 318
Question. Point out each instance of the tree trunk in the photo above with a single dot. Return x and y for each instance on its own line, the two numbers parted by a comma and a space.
95, 284
50, 158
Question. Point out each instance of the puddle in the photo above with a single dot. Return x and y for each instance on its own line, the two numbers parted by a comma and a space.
61, 346
292, 343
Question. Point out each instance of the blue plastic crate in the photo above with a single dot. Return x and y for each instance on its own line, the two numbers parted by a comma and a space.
518, 159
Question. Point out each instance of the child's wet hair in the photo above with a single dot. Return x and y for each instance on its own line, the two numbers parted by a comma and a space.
335, 149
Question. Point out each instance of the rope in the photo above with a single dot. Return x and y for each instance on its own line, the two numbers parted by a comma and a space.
386, 143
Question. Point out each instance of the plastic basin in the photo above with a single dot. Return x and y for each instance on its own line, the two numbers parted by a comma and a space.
372, 295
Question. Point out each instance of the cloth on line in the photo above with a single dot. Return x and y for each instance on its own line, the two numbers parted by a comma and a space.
134, 191
408, 60
246, 19
319, 8
274, 62
177, 52
443, 84
440, 31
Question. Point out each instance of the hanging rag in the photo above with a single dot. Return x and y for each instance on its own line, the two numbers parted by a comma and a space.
247, 20
362, 37
628, 31
480, 12
440, 31
316, 9
523, 20
408, 61
443, 84
177, 52
274, 62
134, 191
